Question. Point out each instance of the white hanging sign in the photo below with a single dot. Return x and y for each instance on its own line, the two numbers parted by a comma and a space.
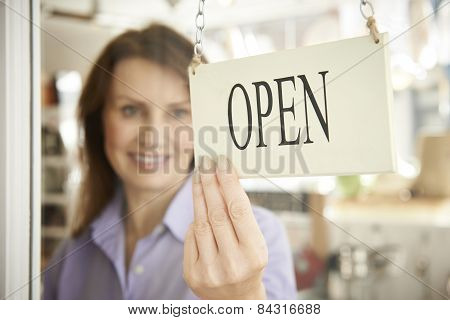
317, 110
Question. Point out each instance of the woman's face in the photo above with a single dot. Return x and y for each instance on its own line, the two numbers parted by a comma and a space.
147, 125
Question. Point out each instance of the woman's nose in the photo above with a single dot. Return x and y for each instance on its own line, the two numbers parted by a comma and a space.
154, 134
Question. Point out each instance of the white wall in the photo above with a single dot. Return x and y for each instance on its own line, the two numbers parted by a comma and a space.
71, 45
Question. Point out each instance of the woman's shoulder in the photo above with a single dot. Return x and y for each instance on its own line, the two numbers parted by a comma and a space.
71, 243
65, 252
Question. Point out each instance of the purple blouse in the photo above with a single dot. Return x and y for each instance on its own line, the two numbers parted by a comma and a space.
92, 266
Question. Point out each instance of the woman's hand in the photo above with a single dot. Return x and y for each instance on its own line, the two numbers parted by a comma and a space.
224, 252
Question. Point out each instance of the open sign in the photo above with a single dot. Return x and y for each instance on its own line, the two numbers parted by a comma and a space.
323, 119
330, 102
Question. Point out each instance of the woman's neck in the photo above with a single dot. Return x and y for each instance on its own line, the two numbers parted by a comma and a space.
145, 209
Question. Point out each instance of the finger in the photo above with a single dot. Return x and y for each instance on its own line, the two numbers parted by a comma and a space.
217, 210
190, 247
206, 242
190, 256
237, 202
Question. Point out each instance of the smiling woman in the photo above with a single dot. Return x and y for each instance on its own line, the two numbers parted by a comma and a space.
146, 226
136, 77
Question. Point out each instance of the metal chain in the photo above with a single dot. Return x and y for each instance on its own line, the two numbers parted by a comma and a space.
362, 5
200, 24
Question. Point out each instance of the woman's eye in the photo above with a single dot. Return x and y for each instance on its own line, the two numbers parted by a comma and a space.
180, 113
129, 110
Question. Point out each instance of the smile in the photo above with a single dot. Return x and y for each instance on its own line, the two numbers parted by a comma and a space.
148, 161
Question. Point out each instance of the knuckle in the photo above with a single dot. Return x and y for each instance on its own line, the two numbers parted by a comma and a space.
218, 216
197, 283
208, 279
261, 258
202, 227
203, 277
191, 280
239, 208
258, 257
212, 283
227, 178
208, 180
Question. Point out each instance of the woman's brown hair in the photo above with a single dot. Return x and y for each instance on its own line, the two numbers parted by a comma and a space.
159, 44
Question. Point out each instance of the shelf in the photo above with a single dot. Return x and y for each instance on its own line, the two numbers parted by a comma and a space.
55, 161
54, 115
54, 232
55, 198
417, 211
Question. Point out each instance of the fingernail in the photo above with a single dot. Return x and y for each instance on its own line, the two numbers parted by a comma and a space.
207, 165
196, 175
223, 163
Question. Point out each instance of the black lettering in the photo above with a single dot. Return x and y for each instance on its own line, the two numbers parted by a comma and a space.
258, 106
307, 89
283, 110
230, 116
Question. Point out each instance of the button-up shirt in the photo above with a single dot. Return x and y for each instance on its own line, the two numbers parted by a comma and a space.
92, 266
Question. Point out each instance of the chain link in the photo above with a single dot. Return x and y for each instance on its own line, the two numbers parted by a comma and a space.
200, 25
368, 4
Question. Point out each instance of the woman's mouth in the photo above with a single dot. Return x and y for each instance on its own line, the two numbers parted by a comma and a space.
148, 162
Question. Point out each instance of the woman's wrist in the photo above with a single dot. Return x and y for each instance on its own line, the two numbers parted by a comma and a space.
259, 293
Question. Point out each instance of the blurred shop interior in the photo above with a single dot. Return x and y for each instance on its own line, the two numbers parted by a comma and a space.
333, 223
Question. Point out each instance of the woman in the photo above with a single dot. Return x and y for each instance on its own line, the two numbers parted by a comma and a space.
147, 226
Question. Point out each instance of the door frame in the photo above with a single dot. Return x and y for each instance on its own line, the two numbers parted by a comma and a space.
20, 145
